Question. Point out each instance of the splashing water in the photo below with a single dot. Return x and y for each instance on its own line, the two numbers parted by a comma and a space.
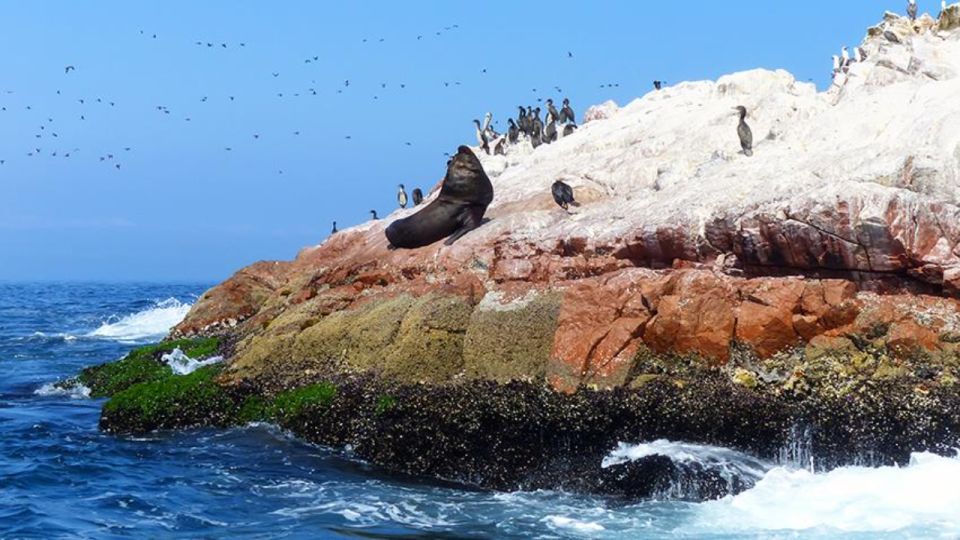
729, 463
152, 323
73, 391
851, 499
181, 364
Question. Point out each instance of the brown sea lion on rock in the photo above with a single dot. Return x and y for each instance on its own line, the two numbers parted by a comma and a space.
464, 197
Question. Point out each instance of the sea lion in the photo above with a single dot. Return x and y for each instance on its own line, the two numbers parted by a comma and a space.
463, 199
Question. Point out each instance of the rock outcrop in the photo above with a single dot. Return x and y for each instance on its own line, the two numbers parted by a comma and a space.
842, 227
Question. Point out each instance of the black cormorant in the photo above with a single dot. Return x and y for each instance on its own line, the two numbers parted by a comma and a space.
563, 195
566, 113
513, 133
743, 130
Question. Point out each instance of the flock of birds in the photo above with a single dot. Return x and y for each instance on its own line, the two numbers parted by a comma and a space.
528, 128
843, 61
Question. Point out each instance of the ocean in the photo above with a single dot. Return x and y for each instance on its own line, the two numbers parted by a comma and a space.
62, 478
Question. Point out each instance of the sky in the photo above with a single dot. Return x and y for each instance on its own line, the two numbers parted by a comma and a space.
229, 155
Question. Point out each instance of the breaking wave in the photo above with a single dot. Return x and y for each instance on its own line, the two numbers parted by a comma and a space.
70, 390
919, 498
152, 323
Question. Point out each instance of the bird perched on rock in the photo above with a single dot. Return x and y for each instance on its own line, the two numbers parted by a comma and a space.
569, 129
891, 36
500, 149
743, 131
513, 132
523, 121
552, 114
912, 10
563, 195
657, 85
566, 113
479, 132
334, 230
550, 133
373, 214
402, 197
417, 196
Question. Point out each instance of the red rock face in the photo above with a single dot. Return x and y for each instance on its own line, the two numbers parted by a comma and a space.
610, 307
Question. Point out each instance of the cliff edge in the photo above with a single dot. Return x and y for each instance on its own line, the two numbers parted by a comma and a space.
841, 228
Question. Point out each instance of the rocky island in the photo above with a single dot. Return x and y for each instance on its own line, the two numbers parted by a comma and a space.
800, 303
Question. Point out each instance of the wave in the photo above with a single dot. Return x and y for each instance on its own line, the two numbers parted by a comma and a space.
70, 390
728, 462
922, 495
152, 323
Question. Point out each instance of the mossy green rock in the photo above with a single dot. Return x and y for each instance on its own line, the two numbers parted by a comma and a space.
175, 401
141, 365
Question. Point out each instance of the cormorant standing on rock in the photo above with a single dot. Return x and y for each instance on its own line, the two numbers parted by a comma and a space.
417, 196
657, 85
536, 123
373, 214
563, 195
536, 137
743, 130
523, 121
566, 113
550, 134
513, 133
402, 197
912, 10
569, 129
552, 114
500, 149
334, 230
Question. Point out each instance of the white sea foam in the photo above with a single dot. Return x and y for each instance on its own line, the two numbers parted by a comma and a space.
152, 323
71, 390
181, 364
921, 496
726, 461
44, 336
563, 522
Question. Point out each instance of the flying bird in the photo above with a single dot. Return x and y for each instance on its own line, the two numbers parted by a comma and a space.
68, 69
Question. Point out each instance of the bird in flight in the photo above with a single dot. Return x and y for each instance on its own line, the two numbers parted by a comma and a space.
68, 69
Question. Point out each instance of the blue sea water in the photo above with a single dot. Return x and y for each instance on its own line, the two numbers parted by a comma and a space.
62, 478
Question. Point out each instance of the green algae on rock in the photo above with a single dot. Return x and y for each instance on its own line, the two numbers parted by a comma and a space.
174, 401
141, 365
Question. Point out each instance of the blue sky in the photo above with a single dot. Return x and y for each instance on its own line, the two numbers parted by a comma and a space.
182, 207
